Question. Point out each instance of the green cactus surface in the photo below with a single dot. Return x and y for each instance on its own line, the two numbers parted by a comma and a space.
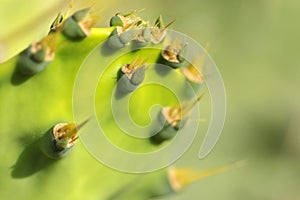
30, 105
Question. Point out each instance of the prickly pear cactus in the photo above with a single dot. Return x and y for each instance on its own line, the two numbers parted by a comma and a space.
57, 91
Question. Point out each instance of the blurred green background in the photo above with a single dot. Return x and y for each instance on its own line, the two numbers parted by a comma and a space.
255, 45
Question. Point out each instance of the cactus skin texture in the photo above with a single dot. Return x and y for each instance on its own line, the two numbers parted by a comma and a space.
31, 105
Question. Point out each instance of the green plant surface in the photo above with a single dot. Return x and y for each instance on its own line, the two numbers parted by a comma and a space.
51, 103
33, 104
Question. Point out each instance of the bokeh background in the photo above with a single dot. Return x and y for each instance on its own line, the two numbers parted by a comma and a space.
255, 44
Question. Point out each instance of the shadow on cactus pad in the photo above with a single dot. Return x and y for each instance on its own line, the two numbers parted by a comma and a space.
31, 161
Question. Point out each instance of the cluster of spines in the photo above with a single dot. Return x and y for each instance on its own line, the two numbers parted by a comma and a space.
131, 75
131, 28
60, 139
128, 28
38, 55
173, 118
